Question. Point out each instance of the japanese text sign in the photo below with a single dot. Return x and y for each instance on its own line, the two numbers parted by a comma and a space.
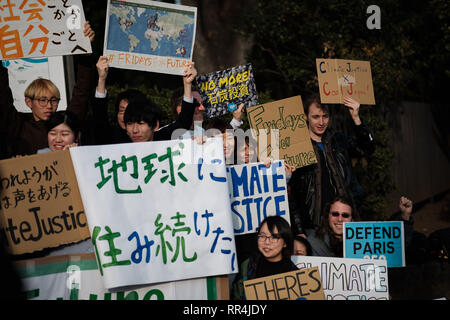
302, 284
149, 36
40, 204
282, 132
223, 91
375, 240
256, 192
76, 277
349, 279
340, 78
150, 212
42, 28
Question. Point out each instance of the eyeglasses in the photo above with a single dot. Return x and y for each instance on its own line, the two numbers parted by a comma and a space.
44, 101
272, 239
344, 215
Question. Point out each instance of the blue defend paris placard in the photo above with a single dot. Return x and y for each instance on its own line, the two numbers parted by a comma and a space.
375, 240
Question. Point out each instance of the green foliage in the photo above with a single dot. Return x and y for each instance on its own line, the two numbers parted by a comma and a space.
374, 174
289, 35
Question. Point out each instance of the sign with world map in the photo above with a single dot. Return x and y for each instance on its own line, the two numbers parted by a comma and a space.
149, 36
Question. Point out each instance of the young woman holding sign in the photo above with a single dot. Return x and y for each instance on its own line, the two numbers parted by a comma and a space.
275, 244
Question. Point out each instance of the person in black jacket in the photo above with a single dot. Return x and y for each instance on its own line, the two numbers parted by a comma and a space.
106, 133
313, 186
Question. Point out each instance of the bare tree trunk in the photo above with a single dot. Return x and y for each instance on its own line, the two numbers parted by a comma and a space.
218, 44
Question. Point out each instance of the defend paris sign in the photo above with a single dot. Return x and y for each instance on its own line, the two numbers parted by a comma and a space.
34, 29
151, 214
340, 78
40, 204
302, 284
223, 91
76, 277
375, 240
282, 133
349, 279
257, 191
149, 35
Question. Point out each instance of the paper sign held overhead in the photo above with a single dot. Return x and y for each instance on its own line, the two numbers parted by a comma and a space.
349, 279
223, 91
340, 78
375, 240
42, 29
282, 132
148, 213
149, 36
257, 192
40, 204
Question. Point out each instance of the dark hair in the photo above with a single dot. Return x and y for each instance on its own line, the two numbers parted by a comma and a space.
129, 95
219, 124
67, 117
284, 230
142, 110
177, 99
306, 243
313, 98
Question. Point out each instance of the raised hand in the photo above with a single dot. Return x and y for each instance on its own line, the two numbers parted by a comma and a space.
88, 32
353, 108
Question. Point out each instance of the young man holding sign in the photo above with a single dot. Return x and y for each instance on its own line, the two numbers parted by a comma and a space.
315, 185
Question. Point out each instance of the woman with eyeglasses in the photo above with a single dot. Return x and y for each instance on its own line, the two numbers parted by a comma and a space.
275, 242
326, 240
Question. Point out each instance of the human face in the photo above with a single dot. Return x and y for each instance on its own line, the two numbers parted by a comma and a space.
271, 248
317, 122
198, 112
122, 107
299, 248
246, 153
42, 110
60, 136
228, 146
139, 131
336, 219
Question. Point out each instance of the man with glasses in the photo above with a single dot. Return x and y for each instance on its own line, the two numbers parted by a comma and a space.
326, 240
26, 132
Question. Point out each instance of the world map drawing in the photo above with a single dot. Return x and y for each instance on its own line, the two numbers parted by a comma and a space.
151, 30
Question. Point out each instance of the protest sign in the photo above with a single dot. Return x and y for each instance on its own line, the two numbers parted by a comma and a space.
76, 277
223, 91
375, 240
291, 142
35, 29
149, 36
21, 72
302, 284
349, 279
150, 214
256, 192
40, 203
339, 78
